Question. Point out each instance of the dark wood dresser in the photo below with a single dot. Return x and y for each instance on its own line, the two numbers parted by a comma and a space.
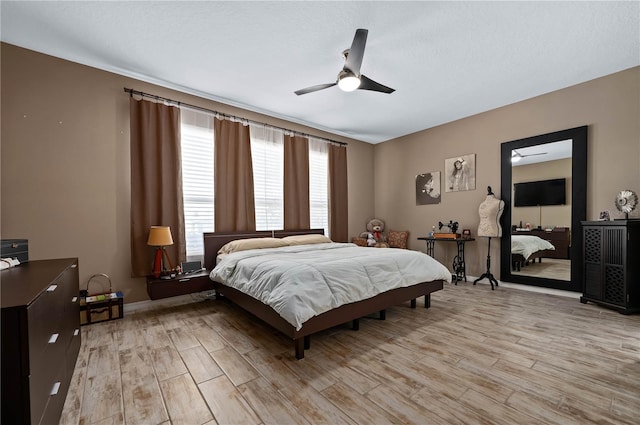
611, 264
40, 339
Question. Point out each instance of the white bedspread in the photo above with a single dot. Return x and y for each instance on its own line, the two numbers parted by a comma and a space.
302, 281
526, 245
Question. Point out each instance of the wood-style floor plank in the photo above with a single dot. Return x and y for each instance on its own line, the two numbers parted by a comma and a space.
142, 397
200, 364
102, 399
356, 406
187, 405
270, 405
234, 365
167, 362
226, 403
476, 356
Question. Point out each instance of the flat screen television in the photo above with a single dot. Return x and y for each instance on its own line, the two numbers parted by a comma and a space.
542, 192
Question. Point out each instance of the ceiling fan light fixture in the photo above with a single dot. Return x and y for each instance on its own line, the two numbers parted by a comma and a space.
516, 157
347, 81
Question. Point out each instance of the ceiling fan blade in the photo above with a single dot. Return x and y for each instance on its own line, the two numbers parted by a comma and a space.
356, 52
314, 88
369, 84
534, 154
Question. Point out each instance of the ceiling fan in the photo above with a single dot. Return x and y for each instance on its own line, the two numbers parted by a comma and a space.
517, 156
349, 78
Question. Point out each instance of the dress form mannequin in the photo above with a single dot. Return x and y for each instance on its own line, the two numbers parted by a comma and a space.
490, 211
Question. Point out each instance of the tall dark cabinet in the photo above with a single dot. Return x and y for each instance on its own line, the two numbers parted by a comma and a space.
40, 339
612, 264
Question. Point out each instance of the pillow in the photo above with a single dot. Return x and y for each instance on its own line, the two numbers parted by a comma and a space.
251, 243
397, 239
306, 239
359, 241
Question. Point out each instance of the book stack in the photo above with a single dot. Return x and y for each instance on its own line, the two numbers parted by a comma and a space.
446, 235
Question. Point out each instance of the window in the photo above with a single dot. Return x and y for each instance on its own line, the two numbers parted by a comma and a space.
318, 185
267, 156
197, 178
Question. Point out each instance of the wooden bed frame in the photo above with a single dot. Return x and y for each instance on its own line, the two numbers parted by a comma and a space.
343, 314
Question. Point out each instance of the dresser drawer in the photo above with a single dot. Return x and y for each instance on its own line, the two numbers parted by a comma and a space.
45, 321
55, 403
71, 302
72, 351
43, 378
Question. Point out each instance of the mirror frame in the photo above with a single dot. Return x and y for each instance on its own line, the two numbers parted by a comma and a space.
578, 136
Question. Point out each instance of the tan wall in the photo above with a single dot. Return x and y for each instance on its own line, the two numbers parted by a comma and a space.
65, 163
551, 215
610, 106
65, 160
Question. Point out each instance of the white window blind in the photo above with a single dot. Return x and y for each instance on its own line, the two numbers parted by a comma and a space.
318, 185
197, 178
267, 155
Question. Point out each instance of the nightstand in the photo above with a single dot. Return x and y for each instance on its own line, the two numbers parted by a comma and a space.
181, 284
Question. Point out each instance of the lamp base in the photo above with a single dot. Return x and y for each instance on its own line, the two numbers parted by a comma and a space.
157, 263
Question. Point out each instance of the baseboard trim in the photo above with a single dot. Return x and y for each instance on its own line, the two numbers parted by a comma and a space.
167, 302
183, 299
529, 288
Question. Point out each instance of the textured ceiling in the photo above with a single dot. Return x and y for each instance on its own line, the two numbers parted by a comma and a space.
446, 60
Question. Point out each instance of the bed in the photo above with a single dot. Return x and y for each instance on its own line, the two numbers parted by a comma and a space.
526, 248
402, 283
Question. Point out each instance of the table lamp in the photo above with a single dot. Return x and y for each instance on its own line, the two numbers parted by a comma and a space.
160, 236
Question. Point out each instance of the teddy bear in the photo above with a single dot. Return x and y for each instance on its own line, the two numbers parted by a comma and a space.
375, 234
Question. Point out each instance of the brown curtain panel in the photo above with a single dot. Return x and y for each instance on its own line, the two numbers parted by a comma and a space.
296, 183
338, 194
156, 181
233, 175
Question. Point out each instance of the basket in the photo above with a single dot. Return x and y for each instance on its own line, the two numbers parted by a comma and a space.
100, 306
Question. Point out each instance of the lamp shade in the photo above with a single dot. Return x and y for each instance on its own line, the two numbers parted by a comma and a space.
160, 236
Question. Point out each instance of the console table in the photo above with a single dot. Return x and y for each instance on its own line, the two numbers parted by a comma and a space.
459, 266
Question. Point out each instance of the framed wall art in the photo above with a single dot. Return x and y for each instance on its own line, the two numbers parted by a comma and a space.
460, 173
428, 188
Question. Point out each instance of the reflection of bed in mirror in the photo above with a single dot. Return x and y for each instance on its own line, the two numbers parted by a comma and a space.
526, 248
559, 238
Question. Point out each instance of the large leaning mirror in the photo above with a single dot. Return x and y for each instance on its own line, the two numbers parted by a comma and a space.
543, 185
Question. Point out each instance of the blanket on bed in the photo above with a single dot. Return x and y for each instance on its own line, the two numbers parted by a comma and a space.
300, 282
526, 245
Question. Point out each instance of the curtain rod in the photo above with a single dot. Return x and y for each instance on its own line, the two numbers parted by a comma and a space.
233, 117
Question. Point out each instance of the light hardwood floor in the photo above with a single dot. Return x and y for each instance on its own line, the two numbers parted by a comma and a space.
548, 268
475, 357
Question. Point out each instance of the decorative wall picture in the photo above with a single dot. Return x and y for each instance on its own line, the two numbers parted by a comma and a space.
460, 173
428, 188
